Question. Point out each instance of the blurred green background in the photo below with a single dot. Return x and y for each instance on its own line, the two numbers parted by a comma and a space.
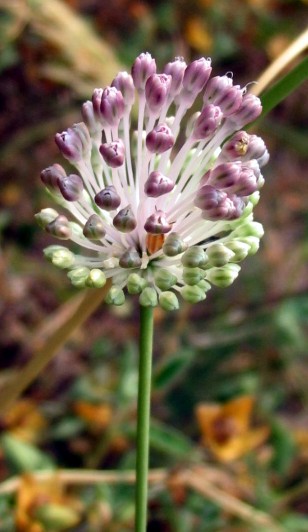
247, 340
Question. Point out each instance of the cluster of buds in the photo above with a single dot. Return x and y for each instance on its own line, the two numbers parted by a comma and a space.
161, 212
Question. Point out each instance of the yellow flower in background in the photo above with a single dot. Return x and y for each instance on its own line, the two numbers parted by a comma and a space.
198, 35
24, 421
226, 429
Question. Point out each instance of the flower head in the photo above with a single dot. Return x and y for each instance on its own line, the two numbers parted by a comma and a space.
160, 209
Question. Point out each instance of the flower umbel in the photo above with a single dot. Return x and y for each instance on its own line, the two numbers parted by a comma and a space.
161, 211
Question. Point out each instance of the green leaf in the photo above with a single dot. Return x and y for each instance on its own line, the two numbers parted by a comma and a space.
295, 522
172, 368
284, 87
170, 441
284, 448
23, 457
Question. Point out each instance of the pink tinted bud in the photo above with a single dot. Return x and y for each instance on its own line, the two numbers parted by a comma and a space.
96, 102
215, 204
249, 110
71, 187
157, 224
113, 153
125, 84
75, 143
157, 184
257, 150
196, 75
207, 122
176, 70
160, 139
51, 175
108, 198
156, 91
220, 91
224, 175
237, 206
112, 106
236, 147
59, 228
143, 67
215, 87
88, 115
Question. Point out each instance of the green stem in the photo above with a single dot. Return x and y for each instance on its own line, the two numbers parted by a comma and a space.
143, 416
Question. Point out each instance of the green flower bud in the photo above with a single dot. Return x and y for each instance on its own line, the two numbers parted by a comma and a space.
253, 242
56, 516
94, 228
45, 216
193, 294
115, 296
79, 276
239, 248
165, 279
223, 276
60, 256
174, 245
168, 301
148, 297
195, 257
219, 254
192, 276
59, 227
135, 283
204, 285
96, 278
255, 197
249, 228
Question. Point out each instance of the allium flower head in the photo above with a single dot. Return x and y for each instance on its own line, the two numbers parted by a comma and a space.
162, 208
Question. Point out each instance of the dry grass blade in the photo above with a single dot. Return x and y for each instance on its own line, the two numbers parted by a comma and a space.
50, 339
294, 50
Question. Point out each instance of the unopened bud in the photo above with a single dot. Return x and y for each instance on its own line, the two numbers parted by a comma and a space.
174, 245
125, 220
248, 228
249, 110
160, 139
196, 75
168, 301
135, 283
60, 256
108, 199
148, 297
50, 176
157, 224
89, 118
144, 66
156, 91
71, 187
207, 122
96, 278
113, 153
125, 84
59, 228
223, 276
195, 257
192, 294
130, 259
164, 279
157, 185
94, 228
236, 146
176, 70
115, 296
219, 254
239, 248
45, 216
79, 276
112, 106
75, 143
220, 91
192, 276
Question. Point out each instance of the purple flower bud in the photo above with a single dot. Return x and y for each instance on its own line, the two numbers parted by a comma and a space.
156, 91
88, 115
71, 187
160, 139
220, 91
215, 204
236, 146
125, 220
51, 175
113, 153
176, 70
157, 184
257, 150
75, 143
96, 102
130, 259
125, 84
157, 224
59, 228
249, 110
207, 122
108, 199
196, 75
144, 66
112, 106
94, 228
223, 175
237, 207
